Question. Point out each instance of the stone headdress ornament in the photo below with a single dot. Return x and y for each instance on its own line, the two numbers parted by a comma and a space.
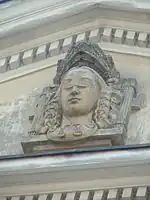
89, 55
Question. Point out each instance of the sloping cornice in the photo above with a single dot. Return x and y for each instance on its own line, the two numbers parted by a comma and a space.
46, 54
31, 14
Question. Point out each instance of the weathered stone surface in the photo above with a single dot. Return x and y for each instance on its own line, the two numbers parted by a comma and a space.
139, 125
14, 115
14, 123
89, 100
137, 67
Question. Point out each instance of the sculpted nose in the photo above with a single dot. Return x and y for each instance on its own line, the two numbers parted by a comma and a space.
75, 91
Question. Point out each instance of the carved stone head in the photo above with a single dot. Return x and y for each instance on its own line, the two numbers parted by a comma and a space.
80, 91
88, 99
82, 102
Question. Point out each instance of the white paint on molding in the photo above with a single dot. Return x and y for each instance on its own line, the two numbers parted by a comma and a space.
33, 11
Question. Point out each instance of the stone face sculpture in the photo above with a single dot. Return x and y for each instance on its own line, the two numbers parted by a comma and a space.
88, 99
83, 104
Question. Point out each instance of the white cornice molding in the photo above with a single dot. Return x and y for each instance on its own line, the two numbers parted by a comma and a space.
46, 55
52, 61
31, 56
30, 69
29, 14
109, 169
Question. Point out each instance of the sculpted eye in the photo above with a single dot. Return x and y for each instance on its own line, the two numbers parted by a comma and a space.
84, 82
67, 83
82, 86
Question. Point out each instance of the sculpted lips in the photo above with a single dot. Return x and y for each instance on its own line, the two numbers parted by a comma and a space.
74, 100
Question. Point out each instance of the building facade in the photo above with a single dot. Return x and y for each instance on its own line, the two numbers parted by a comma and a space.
34, 35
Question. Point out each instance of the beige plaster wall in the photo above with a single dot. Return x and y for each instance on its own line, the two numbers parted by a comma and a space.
17, 97
25, 84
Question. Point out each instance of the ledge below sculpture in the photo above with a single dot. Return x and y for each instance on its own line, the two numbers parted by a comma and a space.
89, 104
103, 138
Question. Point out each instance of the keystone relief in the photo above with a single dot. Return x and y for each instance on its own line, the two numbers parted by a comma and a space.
88, 105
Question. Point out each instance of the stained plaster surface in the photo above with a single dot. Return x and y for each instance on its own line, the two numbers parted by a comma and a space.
14, 113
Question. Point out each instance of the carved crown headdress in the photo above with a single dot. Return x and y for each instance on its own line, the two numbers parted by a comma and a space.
90, 55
